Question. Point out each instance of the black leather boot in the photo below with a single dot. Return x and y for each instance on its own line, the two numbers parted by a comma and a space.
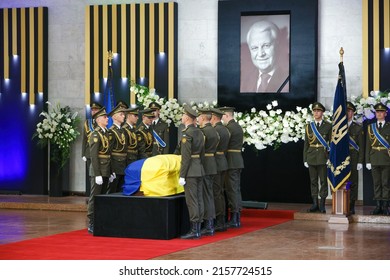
208, 227
220, 224
194, 232
234, 220
378, 208
385, 207
322, 205
314, 207
352, 207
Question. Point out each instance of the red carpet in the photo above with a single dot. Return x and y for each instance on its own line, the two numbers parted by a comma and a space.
79, 245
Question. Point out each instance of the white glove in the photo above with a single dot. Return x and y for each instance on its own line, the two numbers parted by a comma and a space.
112, 177
368, 166
84, 158
306, 164
359, 166
99, 180
182, 181
328, 162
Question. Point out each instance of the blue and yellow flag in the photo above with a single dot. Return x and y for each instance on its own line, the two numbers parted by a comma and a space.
339, 168
109, 97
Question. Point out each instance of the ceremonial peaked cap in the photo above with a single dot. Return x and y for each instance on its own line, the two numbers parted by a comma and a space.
217, 112
147, 112
204, 111
227, 109
189, 111
118, 108
101, 112
380, 107
351, 106
95, 105
132, 110
122, 104
318, 106
154, 105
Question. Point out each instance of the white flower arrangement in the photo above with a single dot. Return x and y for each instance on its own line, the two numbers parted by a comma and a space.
59, 130
265, 128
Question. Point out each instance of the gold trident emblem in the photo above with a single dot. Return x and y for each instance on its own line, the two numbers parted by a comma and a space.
110, 56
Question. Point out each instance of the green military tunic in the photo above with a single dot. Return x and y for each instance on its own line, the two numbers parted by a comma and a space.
192, 154
316, 155
132, 143
145, 140
356, 132
118, 144
162, 129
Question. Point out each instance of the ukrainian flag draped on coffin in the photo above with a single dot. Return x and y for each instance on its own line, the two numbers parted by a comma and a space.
154, 176
339, 167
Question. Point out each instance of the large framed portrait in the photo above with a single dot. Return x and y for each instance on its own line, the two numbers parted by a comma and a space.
267, 50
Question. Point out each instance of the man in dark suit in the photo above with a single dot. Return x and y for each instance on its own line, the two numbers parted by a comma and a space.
378, 158
356, 151
191, 171
161, 128
270, 70
235, 165
316, 155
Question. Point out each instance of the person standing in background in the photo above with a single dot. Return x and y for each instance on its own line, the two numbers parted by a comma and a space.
316, 155
356, 152
161, 128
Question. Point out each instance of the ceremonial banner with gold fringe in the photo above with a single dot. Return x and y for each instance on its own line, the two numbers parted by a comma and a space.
154, 176
339, 168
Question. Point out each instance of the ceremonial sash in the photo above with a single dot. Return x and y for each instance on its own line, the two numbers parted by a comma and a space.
380, 137
90, 125
353, 143
319, 136
160, 142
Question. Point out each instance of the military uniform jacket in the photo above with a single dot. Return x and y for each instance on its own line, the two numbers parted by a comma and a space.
314, 152
118, 144
236, 140
192, 152
220, 154
376, 153
356, 132
89, 126
210, 148
132, 143
162, 129
145, 139
100, 152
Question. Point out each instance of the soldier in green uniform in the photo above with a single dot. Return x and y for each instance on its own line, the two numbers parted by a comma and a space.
235, 165
89, 126
222, 166
100, 153
117, 138
161, 128
356, 151
144, 133
378, 159
210, 167
191, 171
131, 137
315, 155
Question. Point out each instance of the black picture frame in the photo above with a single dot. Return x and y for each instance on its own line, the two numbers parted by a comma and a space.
303, 53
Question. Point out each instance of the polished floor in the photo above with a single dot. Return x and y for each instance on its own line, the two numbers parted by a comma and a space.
25, 217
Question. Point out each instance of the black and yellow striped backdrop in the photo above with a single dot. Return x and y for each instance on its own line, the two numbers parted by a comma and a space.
376, 45
144, 37
24, 36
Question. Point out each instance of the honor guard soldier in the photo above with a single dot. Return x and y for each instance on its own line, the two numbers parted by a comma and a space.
160, 128
222, 166
235, 165
99, 147
145, 135
118, 144
89, 126
131, 137
210, 167
191, 171
316, 154
378, 158
356, 152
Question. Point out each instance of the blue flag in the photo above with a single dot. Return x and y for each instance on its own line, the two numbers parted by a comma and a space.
339, 168
108, 96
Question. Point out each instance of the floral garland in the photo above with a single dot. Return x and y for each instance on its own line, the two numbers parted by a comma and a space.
264, 128
59, 130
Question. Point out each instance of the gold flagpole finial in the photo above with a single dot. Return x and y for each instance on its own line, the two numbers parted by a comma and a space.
341, 54
110, 56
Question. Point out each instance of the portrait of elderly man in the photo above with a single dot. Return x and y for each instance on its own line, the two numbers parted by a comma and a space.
265, 58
